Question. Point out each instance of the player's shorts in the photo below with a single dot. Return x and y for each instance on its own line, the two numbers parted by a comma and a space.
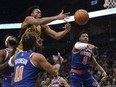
6, 82
85, 78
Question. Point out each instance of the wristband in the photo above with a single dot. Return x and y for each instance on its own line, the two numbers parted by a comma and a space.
79, 45
10, 63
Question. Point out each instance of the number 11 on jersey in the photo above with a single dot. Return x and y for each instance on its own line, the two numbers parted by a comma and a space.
19, 73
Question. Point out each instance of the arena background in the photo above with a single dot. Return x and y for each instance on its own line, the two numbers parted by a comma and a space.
102, 31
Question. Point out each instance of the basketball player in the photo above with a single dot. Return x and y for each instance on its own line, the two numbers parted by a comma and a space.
10, 42
27, 63
35, 23
58, 81
82, 55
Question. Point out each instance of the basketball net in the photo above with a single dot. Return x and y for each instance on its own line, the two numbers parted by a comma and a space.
110, 4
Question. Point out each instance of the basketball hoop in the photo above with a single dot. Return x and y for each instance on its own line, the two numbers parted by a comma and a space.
110, 4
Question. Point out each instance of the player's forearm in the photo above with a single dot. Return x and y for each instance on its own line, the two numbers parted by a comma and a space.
99, 68
96, 65
61, 34
3, 66
52, 69
47, 20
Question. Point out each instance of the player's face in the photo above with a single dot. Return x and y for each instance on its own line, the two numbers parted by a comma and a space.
47, 80
84, 38
37, 13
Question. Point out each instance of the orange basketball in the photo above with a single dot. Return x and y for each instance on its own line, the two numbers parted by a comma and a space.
81, 17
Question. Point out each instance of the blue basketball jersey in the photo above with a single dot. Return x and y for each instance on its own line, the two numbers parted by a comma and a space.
80, 62
56, 83
81, 59
25, 73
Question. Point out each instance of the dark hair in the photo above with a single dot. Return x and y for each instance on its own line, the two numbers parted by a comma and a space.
28, 41
9, 40
83, 32
12, 42
30, 10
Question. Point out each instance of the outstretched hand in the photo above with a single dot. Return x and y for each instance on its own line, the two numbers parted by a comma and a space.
67, 26
103, 78
92, 47
62, 15
58, 59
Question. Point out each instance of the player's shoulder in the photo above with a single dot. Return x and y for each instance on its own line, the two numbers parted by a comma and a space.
61, 78
37, 55
44, 26
3, 51
29, 17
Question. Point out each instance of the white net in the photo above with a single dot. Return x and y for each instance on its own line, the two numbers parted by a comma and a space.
110, 4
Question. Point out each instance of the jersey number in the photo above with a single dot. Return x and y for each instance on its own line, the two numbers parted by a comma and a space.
85, 59
19, 73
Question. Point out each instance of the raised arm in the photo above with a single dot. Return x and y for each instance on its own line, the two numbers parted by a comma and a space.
57, 35
97, 66
79, 46
45, 20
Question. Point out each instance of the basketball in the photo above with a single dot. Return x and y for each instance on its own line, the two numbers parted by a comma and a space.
81, 17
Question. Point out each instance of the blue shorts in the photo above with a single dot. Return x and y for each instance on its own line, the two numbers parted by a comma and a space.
6, 82
86, 79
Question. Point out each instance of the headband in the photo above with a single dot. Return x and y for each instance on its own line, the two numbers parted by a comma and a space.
7, 40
